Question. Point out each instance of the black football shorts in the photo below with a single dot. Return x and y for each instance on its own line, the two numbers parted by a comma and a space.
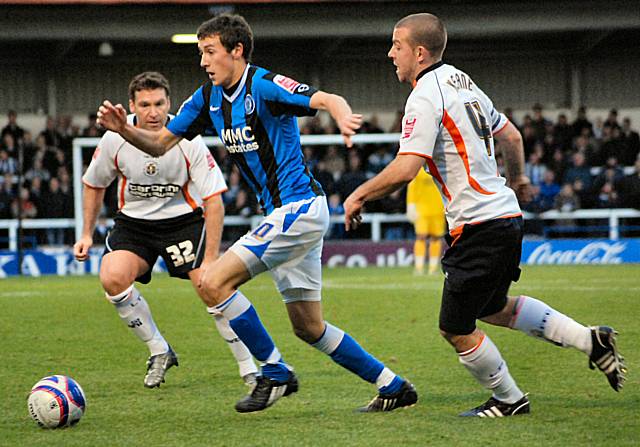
479, 269
179, 240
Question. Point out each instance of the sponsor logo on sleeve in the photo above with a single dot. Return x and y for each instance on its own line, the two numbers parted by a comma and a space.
408, 124
286, 83
96, 153
210, 161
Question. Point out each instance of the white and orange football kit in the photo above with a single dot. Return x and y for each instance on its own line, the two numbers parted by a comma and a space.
153, 188
451, 122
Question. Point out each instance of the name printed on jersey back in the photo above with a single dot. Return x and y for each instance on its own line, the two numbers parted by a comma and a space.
460, 81
239, 139
155, 190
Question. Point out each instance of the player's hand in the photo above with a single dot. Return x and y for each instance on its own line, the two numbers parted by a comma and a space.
112, 117
348, 124
412, 212
522, 187
81, 248
204, 268
352, 210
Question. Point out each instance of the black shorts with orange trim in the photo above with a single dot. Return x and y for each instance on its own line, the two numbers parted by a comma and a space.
479, 269
180, 241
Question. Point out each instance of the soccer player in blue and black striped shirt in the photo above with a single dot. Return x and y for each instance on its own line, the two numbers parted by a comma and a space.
254, 112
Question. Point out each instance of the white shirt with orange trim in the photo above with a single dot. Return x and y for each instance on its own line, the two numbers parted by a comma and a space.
155, 188
451, 122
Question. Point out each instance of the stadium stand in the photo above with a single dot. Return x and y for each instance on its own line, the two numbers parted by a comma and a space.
579, 164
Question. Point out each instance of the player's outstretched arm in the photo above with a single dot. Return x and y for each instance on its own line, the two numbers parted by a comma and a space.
347, 121
154, 143
510, 144
397, 174
91, 204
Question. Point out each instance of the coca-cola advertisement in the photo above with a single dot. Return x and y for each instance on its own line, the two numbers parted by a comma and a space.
350, 254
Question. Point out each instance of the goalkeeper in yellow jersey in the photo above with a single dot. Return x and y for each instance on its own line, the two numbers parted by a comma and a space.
426, 211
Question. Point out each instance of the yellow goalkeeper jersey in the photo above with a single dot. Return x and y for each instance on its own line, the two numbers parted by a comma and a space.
424, 193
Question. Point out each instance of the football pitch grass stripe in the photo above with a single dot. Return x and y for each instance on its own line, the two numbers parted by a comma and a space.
65, 326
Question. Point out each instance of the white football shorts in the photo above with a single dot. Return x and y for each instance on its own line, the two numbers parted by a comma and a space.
288, 243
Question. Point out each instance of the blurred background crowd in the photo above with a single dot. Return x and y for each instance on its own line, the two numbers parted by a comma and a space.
573, 163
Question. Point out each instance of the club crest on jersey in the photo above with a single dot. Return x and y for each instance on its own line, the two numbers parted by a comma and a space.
249, 105
151, 168
286, 83
408, 123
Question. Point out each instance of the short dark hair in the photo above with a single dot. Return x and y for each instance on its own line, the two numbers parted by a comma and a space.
148, 80
426, 30
232, 30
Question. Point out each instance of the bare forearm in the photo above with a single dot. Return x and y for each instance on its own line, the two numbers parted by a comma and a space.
147, 141
214, 221
513, 159
92, 200
392, 178
510, 144
336, 105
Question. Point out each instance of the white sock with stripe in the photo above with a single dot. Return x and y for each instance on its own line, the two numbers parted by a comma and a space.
539, 320
485, 363
134, 311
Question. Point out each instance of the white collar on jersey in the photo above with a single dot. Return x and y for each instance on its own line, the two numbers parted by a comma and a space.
243, 80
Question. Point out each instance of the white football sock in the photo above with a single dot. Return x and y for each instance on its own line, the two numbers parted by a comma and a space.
537, 319
485, 363
135, 312
385, 378
238, 349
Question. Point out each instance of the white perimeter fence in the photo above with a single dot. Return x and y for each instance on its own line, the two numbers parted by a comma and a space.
376, 220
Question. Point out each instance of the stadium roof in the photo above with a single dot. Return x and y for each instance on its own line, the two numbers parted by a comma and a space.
466, 19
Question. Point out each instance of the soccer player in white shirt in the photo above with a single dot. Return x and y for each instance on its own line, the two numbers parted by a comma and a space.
449, 128
161, 202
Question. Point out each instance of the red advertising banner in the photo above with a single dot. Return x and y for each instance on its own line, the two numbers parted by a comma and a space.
367, 254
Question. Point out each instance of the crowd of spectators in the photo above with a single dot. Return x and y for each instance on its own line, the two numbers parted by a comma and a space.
571, 165
45, 189
561, 157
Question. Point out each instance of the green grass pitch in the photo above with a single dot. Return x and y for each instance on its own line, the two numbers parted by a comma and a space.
64, 326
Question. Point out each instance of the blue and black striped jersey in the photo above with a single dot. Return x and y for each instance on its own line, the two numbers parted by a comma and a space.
257, 124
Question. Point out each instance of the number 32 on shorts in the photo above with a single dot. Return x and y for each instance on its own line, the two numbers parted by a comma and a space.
181, 253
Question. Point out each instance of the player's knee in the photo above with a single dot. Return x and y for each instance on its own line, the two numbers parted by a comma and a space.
114, 281
446, 335
454, 339
213, 290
